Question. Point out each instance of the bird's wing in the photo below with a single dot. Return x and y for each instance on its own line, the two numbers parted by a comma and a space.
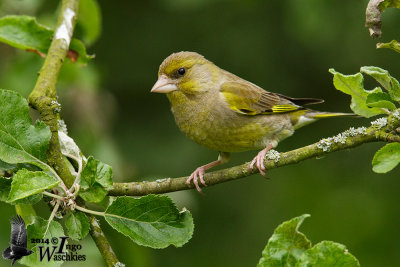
249, 99
18, 232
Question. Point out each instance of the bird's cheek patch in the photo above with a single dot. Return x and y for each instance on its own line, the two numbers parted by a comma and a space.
189, 87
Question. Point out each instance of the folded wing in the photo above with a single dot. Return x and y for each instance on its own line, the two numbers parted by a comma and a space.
249, 99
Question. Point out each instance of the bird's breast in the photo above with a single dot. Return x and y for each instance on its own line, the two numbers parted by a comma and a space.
215, 126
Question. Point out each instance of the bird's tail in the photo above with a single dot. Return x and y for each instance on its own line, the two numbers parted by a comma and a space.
320, 115
7, 253
307, 116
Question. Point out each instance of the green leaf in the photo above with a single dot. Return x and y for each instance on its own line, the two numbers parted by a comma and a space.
37, 230
5, 187
383, 77
96, 179
25, 33
68, 146
96, 171
327, 253
27, 212
26, 183
20, 141
152, 221
354, 85
4, 166
394, 45
380, 100
388, 3
31, 200
77, 224
89, 21
80, 54
286, 245
95, 193
386, 158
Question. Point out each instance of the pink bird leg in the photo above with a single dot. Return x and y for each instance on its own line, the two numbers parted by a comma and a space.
259, 160
200, 171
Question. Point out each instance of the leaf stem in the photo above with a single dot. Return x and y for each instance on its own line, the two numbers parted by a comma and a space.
78, 175
53, 195
63, 186
53, 213
98, 213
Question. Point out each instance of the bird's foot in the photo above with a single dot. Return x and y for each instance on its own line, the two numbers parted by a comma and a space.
195, 176
259, 160
200, 171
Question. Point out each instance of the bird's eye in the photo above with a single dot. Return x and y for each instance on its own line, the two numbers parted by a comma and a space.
181, 71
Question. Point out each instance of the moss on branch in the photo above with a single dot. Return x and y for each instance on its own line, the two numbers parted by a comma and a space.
44, 95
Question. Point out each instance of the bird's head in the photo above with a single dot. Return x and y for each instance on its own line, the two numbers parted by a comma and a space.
187, 72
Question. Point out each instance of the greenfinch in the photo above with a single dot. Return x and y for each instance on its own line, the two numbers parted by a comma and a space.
223, 112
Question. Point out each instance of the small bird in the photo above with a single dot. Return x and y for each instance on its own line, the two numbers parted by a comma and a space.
18, 247
226, 113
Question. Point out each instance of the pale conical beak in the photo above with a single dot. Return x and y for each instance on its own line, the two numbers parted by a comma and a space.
164, 85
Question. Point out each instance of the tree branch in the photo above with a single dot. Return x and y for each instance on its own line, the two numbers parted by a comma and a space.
44, 99
44, 95
101, 242
348, 139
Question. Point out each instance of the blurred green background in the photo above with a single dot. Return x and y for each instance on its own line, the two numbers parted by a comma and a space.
283, 46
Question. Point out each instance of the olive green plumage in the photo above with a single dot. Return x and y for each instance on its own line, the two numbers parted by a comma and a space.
223, 112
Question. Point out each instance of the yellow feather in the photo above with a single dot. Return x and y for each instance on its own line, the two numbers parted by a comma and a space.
284, 108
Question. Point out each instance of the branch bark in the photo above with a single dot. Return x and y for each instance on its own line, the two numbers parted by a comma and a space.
44, 95
348, 139
101, 242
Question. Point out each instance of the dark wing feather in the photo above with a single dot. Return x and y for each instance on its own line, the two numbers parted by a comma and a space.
303, 101
18, 232
247, 98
